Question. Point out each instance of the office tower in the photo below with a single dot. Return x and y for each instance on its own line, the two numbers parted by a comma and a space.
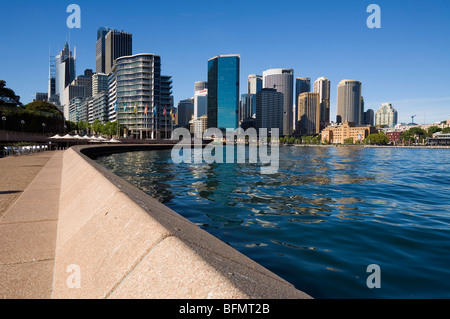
85, 80
269, 110
64, 74
349, 102
223, 91
112, 96
51, 78
282, 80
308, 114
100, 65
200, 103
140, 106
247, 107
41, 96
117, 44
185, 111
369, 117
71, 92
83, 110
386, 115
254, 83
74, 108
302, 85
100, 107
99, 83
166, 121
200, 86
322, 87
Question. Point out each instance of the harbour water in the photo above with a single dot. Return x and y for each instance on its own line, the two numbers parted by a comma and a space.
328, 214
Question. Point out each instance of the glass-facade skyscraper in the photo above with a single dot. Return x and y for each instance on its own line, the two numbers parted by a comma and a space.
223, 91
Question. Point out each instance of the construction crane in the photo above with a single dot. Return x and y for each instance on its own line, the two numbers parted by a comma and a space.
412, 119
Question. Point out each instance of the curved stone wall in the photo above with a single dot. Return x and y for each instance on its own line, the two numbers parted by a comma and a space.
115, 241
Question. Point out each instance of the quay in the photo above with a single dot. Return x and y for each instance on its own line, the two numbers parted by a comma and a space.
70, 229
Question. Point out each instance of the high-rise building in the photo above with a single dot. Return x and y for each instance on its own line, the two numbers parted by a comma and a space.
255, 83
322, 87
64, 74
141, 95
369, 117
99, 83
282, 80
349, 102
200, 103
71, 92
308, 114
100, 107
247, 107
117, 44
100, 65
223, 91
386, 115
85, 80
200, 86
302, 85
185, 111
269, 110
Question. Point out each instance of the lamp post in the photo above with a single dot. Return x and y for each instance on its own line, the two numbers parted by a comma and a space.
22, 122
43, 126
3, 119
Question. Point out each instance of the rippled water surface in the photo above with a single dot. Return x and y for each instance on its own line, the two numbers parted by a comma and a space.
323, 218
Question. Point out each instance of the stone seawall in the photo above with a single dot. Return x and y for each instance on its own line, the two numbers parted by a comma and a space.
115, 241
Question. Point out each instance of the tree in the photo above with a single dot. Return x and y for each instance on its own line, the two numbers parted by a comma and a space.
432, 130
446, 130
413, 134
377, 139
42, 106
8, 93
97, 126
348, 141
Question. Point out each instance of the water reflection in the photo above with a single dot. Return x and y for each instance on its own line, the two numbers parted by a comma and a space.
326, 214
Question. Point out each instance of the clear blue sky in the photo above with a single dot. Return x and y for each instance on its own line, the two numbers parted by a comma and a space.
406, 62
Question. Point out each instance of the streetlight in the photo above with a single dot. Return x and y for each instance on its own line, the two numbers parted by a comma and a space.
22, 122
43, 126
3, 119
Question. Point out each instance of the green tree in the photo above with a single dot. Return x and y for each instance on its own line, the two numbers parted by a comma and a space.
348, 141
9, 93
377, 139
97, 126
432, 130
446, 130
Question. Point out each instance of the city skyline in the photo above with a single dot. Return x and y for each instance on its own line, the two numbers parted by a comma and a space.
388, 61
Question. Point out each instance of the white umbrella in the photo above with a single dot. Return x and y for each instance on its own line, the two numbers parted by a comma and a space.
56, 136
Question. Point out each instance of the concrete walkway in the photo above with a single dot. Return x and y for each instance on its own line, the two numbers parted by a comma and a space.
29, 204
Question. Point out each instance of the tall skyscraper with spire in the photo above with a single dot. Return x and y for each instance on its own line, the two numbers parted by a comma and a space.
64, 71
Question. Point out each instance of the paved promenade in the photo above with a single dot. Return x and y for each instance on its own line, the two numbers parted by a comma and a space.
29, 202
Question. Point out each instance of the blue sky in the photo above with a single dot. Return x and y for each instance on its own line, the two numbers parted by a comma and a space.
406, 62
